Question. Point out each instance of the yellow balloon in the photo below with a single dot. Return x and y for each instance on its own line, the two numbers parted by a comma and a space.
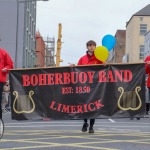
101, 53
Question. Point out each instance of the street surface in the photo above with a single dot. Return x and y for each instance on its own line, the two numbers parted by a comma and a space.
110, 134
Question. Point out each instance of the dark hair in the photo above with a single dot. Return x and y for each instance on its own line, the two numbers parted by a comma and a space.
91, 42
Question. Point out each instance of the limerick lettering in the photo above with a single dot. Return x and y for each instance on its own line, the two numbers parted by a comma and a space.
76, 109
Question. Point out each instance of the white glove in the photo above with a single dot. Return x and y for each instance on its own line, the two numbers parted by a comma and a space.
4, 70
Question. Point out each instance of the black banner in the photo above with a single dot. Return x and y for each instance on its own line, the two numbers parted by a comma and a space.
95, 91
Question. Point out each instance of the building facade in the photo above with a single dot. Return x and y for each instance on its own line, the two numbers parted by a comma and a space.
40, 51
147, 44
136, 28
17, 31
119, 49
117, 53
29, 45
8, 15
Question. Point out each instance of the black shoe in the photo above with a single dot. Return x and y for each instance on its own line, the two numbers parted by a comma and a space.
85, 126
91, 130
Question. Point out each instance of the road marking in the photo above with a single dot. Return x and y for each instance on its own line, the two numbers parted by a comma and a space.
65, 125
118, 130
78, 122
98, 138
111, 120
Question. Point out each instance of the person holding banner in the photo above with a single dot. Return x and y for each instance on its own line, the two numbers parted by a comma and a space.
147, 99
147, 68
6, 63
88, 59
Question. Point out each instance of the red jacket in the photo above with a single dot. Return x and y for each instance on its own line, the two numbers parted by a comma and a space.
5, 62
88, 59
147, 68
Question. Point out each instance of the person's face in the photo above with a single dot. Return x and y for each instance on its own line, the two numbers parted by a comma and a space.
91, 48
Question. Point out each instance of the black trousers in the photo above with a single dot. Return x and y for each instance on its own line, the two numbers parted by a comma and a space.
147, 103
1, 92
147, 107
92, 121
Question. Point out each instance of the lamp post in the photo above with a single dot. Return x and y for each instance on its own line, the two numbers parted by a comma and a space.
17, 25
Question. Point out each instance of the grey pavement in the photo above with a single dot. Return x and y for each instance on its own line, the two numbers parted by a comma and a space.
110, 134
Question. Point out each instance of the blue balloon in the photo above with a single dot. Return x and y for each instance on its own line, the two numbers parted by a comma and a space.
109, 42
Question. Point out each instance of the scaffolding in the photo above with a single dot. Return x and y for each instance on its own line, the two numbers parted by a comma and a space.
49, 52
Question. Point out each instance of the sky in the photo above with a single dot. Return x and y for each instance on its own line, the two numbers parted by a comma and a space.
83, 20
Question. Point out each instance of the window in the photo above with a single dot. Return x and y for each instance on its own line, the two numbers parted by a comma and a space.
141, 54
143, 29
141, 18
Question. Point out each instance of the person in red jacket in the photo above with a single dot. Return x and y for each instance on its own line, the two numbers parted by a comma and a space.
147, 68
89, 59
6, 63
